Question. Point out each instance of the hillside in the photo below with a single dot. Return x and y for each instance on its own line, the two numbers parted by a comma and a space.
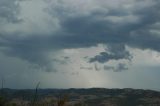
85, 97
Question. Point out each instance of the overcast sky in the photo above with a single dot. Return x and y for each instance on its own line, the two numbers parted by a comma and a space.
80, 43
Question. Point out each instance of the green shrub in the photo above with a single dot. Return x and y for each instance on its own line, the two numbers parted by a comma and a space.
2, 101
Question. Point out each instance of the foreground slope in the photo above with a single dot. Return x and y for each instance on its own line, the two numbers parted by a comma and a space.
88, 97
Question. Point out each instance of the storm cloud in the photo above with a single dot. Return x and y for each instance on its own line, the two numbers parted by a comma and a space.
116, 52
82, 24
8, 11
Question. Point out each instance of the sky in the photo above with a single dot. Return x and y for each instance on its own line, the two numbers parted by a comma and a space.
80, 43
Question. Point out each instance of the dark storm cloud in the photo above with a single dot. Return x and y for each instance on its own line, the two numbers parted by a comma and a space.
114, 27
116, 52
9, 10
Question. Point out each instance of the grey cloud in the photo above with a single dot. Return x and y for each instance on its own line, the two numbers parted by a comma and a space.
114, 52
9, 9
60, 61
121, 67
118, 68
96, 67
108, 67
89, 30
115, 27
86, 68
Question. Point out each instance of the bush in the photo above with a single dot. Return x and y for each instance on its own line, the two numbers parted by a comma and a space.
2, 101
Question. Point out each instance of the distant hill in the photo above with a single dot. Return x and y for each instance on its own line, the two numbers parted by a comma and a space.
93, 96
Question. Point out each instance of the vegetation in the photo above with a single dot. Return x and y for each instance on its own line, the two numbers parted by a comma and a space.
80, 97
